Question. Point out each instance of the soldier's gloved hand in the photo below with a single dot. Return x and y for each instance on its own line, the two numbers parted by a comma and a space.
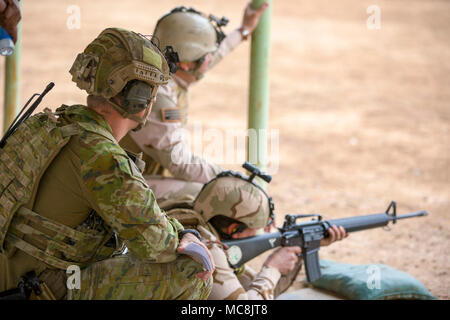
335, 234
251, 17
284, 259
189, 238
10, 17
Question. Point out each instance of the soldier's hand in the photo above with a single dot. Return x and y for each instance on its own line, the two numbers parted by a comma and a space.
335, 234
251, 17
10, 17
190, 238
284, 259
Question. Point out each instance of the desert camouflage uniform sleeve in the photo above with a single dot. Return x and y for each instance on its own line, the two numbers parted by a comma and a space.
166, 143
120, 195
227, 285
231, 41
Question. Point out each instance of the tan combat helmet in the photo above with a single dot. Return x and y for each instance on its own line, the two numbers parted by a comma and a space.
236, 196
191, 34
119, 59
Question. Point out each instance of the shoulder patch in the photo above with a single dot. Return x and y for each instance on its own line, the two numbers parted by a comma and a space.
170, 115
165, 102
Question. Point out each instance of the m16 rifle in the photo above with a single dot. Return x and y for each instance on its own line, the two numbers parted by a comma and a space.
306, 235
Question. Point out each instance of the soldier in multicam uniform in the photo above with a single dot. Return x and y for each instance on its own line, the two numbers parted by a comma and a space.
70, 195
200, 44
232, 207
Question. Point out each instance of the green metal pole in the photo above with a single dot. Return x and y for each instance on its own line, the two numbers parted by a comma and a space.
12, 81
258, 108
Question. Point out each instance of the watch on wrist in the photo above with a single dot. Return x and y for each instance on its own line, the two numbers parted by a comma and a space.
193, 231
244, 33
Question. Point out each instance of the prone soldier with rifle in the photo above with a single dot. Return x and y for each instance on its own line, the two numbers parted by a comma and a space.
229, 207
228, 212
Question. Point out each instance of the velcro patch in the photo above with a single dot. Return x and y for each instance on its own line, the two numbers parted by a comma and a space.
170, 115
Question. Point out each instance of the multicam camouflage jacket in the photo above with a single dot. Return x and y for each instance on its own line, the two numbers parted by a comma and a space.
121, 194
91, 172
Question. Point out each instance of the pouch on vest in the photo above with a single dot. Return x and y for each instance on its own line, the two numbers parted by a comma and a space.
25, 157
23, 161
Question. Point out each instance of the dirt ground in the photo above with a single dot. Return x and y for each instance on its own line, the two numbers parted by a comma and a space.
363, 115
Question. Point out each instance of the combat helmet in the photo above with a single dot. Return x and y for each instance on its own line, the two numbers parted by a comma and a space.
236, 196
121, 59
191, 33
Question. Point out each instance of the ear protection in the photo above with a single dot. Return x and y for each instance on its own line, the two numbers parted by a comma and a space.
137, 95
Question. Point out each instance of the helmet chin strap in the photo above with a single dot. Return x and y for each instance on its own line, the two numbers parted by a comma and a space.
125, 114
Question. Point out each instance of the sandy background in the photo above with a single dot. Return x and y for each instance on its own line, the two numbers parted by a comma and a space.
363, 115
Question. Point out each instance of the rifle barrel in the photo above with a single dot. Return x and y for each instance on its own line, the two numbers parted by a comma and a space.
412, 214
370, 221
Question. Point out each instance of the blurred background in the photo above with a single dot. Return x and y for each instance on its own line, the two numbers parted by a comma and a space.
363, 114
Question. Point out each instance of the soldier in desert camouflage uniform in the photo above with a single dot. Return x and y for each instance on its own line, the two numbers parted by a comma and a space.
200, 44
70, 195
231, 207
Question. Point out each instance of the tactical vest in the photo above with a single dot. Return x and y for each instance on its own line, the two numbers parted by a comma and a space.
23, 161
